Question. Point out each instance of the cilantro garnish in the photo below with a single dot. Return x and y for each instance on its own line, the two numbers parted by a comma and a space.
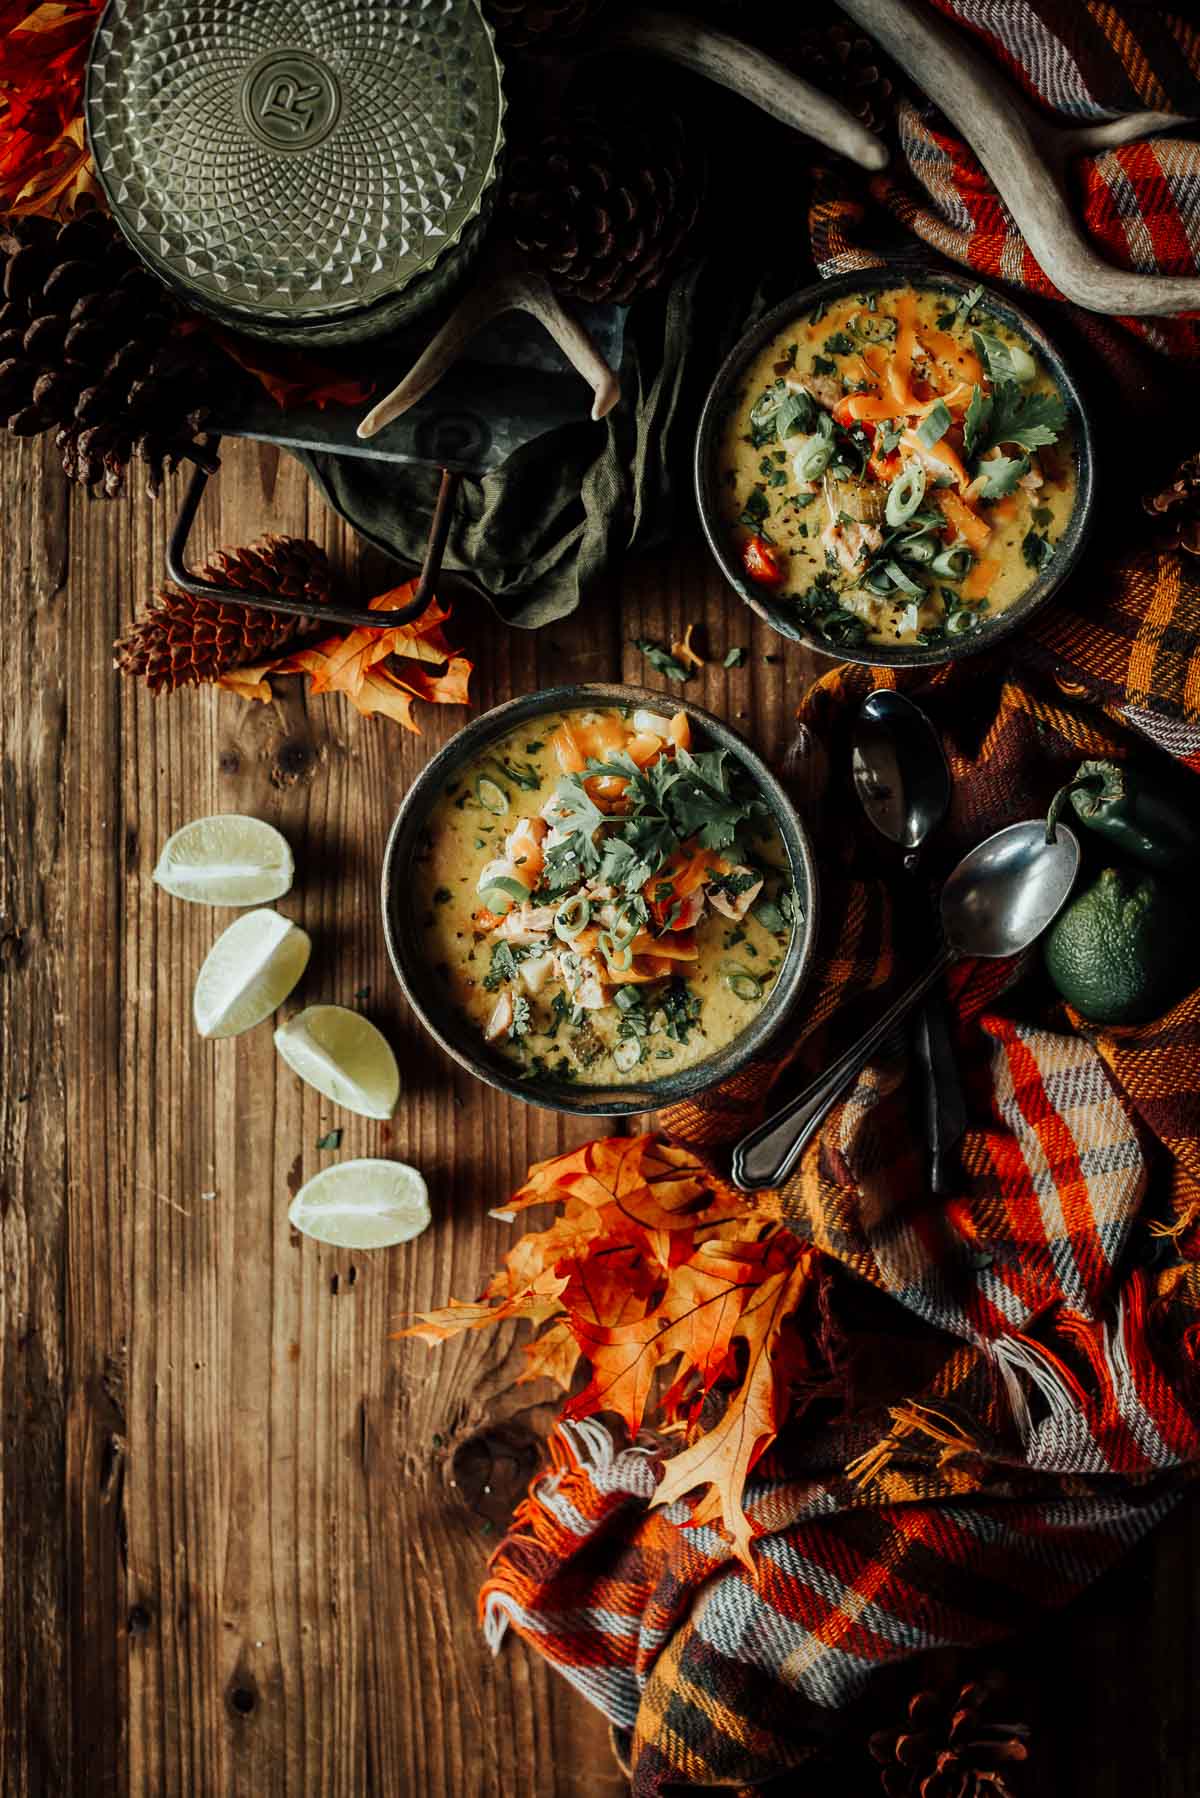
839, 343
504, 963
661, 658
1001, 474
735, 657
681, 1010
1036, 550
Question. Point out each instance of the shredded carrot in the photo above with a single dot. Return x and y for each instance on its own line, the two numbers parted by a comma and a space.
961, 362
941, 455
900, 366
872, 406
684, 651
980, 579
967, 523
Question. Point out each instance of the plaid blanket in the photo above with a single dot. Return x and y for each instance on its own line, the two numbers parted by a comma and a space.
1011, 1375
1083, 61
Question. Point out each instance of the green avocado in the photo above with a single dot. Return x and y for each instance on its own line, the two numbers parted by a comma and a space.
1123, 951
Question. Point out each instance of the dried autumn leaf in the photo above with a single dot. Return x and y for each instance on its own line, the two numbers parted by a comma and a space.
723, 1458
380, 670
291, 377
652, 1266
44, 162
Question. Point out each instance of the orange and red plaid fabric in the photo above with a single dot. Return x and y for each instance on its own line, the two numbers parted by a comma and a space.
1012, 1373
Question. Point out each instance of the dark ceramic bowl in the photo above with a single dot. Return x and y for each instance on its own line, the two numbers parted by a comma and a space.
459, 1038
780, 613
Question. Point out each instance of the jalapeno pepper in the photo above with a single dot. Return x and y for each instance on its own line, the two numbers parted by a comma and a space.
1131, 813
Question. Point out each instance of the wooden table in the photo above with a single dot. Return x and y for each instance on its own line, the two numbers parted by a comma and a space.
242, 1527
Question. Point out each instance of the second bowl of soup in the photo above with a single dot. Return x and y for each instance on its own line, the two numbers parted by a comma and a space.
599, 901
895, 470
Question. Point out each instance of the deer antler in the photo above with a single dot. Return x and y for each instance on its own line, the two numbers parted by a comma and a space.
1025, 156
749, 72
498, 288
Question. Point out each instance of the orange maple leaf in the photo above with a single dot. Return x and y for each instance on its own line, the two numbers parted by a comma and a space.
650, 1265
381, 670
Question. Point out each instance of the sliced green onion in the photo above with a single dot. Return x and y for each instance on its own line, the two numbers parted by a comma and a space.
960, 622
493, 798
918, 548
934, 425
617, 955
743, 985
876, 580
1023, 366
572, 917
953, 564
903, 581
905, 494
627, 1053
629, 921
504, 888
812, 457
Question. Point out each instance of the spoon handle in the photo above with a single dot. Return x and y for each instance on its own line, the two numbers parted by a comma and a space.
768, 1154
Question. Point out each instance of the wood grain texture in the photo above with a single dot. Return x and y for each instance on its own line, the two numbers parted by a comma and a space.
243, 1528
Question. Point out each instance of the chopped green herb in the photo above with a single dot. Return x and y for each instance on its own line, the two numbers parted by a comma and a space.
504, 964
1036, 550
662, 659
532, 748
824, 365
332, 1139
735, 657
442, 896
522, 1019
840, 343
681, 1009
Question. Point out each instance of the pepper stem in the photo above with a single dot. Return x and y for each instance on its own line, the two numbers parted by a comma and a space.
1086, 783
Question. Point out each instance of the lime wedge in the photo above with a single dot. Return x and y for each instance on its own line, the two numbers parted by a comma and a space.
248, 973
343, 1055
226, 860
362, 1205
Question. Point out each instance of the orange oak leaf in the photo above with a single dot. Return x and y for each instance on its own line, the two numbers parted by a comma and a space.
384, 670
723, 1457
553, 1355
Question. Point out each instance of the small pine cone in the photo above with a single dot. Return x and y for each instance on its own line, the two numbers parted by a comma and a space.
604, 204
184, 642
850, 68
539, 24
90, 348
1177, 505
952, 1746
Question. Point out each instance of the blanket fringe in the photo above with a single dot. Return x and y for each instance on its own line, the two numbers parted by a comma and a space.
1017, 1357
912, 1420
1189, 1215
545, 1525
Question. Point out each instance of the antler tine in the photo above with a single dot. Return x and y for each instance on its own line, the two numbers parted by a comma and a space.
497, 289
1024, 157
749, 72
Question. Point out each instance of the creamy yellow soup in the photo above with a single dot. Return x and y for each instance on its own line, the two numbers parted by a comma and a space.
845, 415
583, 1017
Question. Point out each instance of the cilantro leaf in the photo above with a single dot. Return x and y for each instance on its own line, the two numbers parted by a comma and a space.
993, 353
976, 422
839, 343
757, 507
621, 866
1036, 550
1024, 418
1001, 474
503, 968
735, 657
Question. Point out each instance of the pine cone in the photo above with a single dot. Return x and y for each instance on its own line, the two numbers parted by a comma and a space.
183, 642
539, 24
88, 345
951, 1747
850, 68
1178, 505
604, 205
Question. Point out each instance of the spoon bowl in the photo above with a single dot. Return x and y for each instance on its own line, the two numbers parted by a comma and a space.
997, 902
900, 772
1005, 892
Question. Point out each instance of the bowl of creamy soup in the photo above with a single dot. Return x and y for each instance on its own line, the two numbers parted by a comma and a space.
598, 900
895, 470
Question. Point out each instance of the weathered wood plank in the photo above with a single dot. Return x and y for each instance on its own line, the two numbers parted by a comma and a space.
307, 1504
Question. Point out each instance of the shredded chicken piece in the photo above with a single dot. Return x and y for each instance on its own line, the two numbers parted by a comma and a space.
500, 1022
527, 924
536, 970
849, 541
825, 389
734, 905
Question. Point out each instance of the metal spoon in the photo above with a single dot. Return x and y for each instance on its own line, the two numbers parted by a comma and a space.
997, 901
903, 781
